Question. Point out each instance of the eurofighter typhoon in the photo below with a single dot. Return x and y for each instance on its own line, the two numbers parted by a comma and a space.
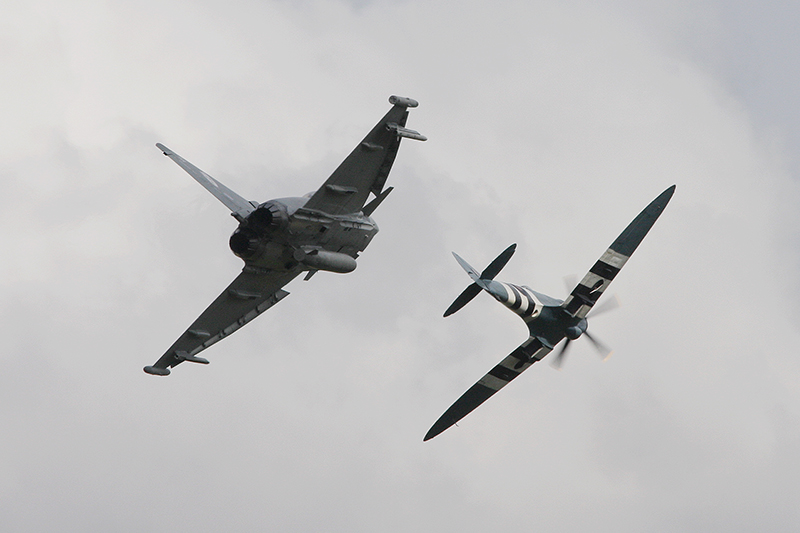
280, 239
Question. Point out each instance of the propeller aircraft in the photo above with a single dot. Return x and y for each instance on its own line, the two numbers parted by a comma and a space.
549, 320
280, 239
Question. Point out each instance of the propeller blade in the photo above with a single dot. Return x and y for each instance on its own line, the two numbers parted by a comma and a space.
558, 360
463, 299
499, 262
604, 351
608, 305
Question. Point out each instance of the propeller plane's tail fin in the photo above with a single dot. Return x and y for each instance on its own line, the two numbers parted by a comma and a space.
479, 280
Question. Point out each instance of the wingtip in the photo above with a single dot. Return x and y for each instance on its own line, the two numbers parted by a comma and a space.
444, 423
164, 150
155, 371
437, 429
403, 101
664, 198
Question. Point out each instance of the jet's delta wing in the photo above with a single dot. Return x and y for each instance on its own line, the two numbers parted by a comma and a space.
366, 168
250, 294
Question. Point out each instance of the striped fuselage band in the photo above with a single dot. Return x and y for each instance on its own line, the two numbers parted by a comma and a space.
520, 300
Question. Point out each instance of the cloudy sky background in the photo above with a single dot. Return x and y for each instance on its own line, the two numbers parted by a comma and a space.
550, 125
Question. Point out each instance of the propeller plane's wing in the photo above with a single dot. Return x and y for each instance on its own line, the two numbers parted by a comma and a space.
585, 294
555, 321
517, 362
249, 295
366, 168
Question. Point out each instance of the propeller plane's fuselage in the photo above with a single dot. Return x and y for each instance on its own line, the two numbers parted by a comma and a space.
545, 317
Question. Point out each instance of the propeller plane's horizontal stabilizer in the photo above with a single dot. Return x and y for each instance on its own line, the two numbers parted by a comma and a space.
479, 279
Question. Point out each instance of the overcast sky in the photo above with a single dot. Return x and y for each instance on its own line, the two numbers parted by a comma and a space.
550, 124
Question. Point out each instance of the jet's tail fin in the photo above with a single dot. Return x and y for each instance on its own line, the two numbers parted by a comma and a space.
479, 280
239, 206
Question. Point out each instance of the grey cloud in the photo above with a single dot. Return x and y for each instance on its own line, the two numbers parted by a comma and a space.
549, 126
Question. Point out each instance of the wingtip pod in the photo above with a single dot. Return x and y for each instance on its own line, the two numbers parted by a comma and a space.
155, 371
402, 101
164, 150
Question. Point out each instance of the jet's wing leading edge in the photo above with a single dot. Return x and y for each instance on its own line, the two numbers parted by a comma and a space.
238, 205
250, 294
366, 168
586, 293
501, 375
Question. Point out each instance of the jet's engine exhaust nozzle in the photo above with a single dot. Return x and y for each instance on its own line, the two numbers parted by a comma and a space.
248, 239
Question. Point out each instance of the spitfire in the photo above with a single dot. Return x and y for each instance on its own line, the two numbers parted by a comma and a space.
280, 239
549, 320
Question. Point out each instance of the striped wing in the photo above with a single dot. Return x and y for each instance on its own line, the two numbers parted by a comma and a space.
586, 293
498, 377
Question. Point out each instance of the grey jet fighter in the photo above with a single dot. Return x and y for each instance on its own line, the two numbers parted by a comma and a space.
549, 320
280, 239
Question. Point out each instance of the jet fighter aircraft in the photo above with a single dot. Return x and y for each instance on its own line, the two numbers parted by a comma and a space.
281, 238
549, 320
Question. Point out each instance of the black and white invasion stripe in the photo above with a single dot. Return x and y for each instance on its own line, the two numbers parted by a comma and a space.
520, 300
586, 293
